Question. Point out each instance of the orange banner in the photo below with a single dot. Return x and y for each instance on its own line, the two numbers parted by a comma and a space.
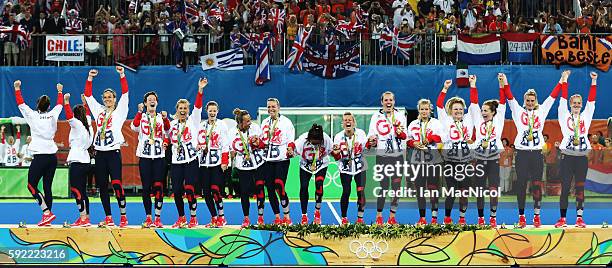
578, 50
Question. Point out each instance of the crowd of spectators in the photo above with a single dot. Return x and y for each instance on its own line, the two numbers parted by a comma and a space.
109, 24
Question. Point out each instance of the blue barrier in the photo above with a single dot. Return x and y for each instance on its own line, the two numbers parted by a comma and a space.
237, 88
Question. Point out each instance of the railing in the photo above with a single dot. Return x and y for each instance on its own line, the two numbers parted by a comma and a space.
429, 49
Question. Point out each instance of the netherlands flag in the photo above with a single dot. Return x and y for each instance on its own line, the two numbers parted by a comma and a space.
605, 43
548, 42
520, 46
480, 50
599, 179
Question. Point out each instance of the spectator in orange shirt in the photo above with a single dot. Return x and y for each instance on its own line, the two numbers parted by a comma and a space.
305, 12
596, 154
498, 25
607, 153
505, 166
549, 151
584, 24
550, 158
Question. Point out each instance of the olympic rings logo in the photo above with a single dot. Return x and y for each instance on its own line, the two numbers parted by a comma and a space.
332, 177
368, 248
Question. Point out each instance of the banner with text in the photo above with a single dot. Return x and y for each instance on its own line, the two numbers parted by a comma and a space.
65, 48
578, 50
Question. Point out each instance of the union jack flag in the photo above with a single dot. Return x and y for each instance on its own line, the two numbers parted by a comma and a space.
240, 40
348, 28
277, 18
191, 12
361, 15
262, 66
332, 61
16, 34
294, 60
395, 42
217, 12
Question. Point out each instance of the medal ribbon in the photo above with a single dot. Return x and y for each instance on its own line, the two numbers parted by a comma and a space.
245, 144
489, 127
180, 134
152, 127
392, 119
313, 166
209, 134
459, 126
531, 122
576, 127
423, 130
104, 124
271, 130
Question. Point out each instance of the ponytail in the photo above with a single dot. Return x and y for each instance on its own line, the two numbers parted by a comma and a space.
239, 116
315, 133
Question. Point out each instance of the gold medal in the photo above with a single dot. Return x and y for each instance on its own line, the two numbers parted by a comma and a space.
151, 141
576, 142
485, 144
247, 158
530, 137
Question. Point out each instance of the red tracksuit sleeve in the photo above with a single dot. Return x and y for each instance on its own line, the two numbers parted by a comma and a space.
336, 156
166, 124
60, 98
137, 118
474, 95
508, 92
124, 85
402, 136
88, 88
18, 97
555, 92
592, 92
18, 134
410, 143
431, 138
564, 90
440, 102
69, 114
502, 96
198, 102
225, 158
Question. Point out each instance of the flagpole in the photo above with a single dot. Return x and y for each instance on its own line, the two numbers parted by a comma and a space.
436, 49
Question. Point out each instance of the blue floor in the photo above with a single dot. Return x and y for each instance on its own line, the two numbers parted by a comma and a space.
13, 213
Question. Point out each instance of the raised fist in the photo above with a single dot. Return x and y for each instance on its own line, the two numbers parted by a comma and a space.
17, 84
448, 83
202, 83
93, 73
140, 107
59, 87
67, 98
594, 75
